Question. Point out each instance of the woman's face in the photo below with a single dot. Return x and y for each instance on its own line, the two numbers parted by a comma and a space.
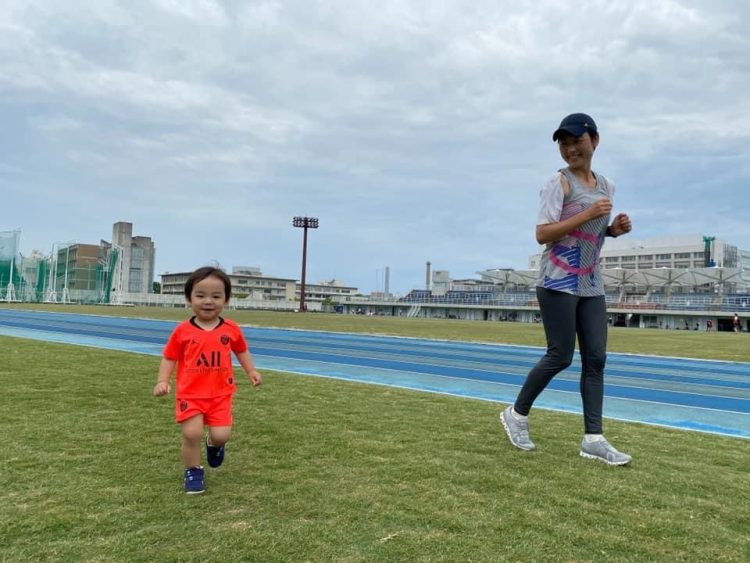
578, 151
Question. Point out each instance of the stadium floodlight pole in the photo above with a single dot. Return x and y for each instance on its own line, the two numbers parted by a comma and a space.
304, 223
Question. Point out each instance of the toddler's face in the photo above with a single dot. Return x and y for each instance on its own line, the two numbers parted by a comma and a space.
208, 298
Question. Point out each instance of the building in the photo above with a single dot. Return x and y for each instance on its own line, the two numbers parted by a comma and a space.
679, 251
83, 273
76, 267
671, 282
324, 291
686, 251
672, 264
247, 283
108, 272
137, 260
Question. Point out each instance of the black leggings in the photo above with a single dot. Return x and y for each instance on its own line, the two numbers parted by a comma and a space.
565, 316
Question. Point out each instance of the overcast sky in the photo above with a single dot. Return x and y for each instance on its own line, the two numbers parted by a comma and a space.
414, 130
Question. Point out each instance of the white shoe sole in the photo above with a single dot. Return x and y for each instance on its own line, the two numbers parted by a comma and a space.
596, 457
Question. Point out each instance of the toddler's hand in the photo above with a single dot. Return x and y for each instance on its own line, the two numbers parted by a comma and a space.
255, 378
162, 388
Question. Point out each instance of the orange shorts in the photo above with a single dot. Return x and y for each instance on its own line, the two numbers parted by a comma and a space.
216, 411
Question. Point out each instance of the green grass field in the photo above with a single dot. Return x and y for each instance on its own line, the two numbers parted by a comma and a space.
325, 470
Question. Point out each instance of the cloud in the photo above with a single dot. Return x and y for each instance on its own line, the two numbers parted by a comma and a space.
415, 131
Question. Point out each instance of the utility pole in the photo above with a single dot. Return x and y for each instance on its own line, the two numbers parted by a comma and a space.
304, 223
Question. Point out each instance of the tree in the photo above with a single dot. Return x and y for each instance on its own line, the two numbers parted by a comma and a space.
156, 287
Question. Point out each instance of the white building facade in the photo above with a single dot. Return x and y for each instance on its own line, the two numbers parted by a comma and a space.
681, 251
247, 283
324, 291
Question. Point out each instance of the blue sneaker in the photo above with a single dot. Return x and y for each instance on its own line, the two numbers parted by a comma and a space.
193, 481
214, 454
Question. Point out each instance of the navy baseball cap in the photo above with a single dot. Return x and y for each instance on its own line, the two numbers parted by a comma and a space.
575, 124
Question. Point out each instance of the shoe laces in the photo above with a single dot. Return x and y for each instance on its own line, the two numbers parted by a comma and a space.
192, 475
611, 452
609, 447
523, 428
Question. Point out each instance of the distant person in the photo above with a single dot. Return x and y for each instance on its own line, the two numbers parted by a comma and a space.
573, 219
736, 323
709, 325
201, 349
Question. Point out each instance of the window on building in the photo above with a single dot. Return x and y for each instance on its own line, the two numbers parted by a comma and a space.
136, 257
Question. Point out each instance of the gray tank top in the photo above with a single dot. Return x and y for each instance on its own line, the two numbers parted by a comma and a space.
571, 264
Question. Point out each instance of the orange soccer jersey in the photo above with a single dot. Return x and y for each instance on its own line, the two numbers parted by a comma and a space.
204, 358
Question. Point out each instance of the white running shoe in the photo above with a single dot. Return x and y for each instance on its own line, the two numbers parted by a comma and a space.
604, 451
517, 430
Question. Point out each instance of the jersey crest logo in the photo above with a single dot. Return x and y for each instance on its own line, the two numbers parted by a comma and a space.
224, 339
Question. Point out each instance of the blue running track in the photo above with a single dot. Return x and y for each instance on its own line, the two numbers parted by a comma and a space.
708, 396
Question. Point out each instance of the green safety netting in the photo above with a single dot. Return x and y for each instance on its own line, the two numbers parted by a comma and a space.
52, 278
9, 267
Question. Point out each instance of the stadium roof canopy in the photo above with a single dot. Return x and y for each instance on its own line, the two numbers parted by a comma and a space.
670, 277
653, 278
510, 277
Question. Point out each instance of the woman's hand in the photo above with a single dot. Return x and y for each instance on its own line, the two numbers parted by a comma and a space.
621, 225
600, 207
